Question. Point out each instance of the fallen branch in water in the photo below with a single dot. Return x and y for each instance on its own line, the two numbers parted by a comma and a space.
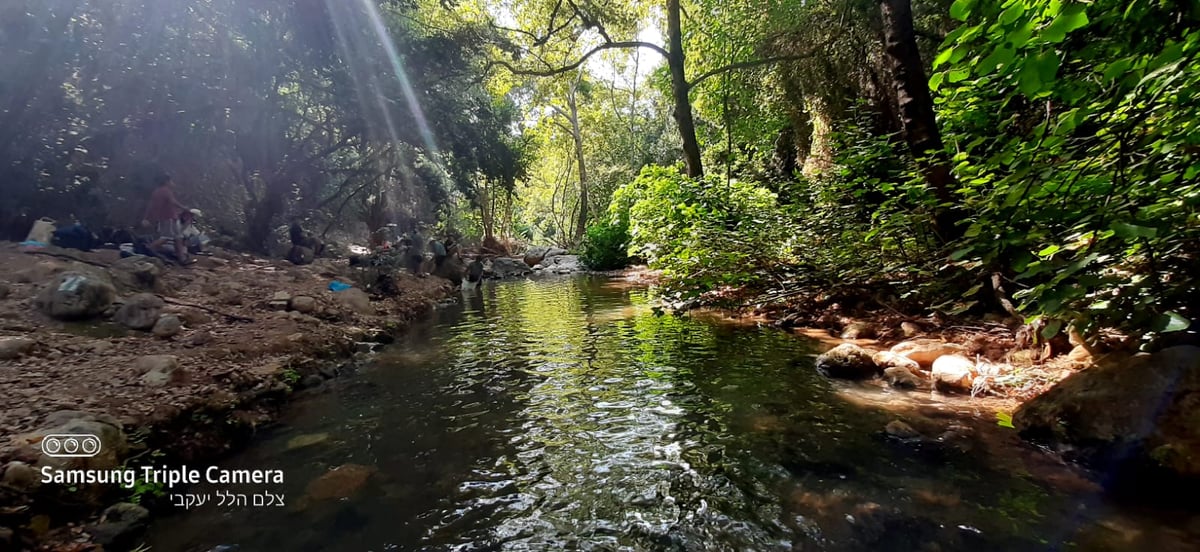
234, 317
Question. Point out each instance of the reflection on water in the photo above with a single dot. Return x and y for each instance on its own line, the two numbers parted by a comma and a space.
564, 414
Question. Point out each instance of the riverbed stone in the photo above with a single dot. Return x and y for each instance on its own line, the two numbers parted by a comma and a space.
340, 482
888, 359
21, 477
356, 300
847, 361
303, 304
307, 440
113, 443
953, 373
168, 326
140, 311
15, 347
138, 273
899, 429
1134, 418
925, 351
534, 255
507, 267
119, 526
899, 376
76, 296
910, 329
160, 370
859, 329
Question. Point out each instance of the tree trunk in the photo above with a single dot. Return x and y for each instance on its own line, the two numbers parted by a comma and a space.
820, 145
679, 90
916, 110
577, 135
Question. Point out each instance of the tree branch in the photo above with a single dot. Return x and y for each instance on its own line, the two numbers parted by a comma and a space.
746, 65
574, 65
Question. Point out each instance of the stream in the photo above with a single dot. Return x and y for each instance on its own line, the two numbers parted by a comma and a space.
565, 414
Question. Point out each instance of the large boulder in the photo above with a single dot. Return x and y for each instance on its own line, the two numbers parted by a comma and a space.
119, 526
140, 312
925, 351
138, 273
113, 445
847, 361
76, 296
562, 264
1136, 417
508, 267
534, 255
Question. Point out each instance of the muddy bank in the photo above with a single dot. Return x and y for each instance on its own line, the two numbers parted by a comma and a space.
183, 365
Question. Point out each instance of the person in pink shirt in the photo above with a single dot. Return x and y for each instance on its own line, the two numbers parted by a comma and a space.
163, 213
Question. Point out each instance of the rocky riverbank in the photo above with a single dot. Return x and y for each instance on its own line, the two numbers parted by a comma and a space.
1128, 417
163, 363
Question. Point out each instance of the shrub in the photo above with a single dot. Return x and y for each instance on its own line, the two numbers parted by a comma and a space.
606, 245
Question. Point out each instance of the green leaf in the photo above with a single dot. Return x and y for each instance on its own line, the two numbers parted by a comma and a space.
1126, 230
1048, 251
960, 9
935, 81
1174, 322
1029, 80
1116, 69
1071, 18
1013, 13
1004, 419
1052, 329
1047, 66
943, 57
959, 74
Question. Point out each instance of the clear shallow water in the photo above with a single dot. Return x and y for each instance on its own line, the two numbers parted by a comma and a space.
563, 414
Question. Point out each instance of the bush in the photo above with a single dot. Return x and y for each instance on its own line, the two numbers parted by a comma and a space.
606, 245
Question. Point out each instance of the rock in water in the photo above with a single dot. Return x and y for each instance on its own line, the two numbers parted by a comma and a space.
847, 361
925, 351
307, 440
160, 370
76, 296
139, 312
168, 325
120, 525
356, 300
507, 267
888, 359
953, 373
897, 428
1129, 418
15, 347
534, 255
899, 376
340, 482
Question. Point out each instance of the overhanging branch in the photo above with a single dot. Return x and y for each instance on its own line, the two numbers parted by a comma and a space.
574, 65
746, 65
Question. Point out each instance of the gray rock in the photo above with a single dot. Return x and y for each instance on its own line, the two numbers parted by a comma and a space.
356, 300
4, 290
21, 477
1128, 417
897, 428
113, 444
304, 304
899, 376
508, 267
76, 296
168, 326
138, 273
451, 268
534, 255
160, 370
15, 347
120, 525
563, 264
140, 312
847, 361
300, 255
281, 296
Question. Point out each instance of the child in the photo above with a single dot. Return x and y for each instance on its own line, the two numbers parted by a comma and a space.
193, 238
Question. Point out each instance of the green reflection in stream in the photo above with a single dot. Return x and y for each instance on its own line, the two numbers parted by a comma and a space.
564, 414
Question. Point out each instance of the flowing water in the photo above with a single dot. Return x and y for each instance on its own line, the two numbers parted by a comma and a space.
567, 415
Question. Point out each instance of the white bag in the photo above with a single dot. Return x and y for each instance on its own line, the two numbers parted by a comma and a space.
42, 231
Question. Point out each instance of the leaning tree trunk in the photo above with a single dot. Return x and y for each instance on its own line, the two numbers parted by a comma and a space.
577, 136
679, 90
916, 110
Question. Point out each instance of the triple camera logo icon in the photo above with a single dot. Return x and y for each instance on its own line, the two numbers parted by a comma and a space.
71, 445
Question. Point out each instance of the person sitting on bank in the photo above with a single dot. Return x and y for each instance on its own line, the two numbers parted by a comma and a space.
163, 212
193, 238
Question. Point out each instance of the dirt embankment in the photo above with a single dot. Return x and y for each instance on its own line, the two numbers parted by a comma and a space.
226, 341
